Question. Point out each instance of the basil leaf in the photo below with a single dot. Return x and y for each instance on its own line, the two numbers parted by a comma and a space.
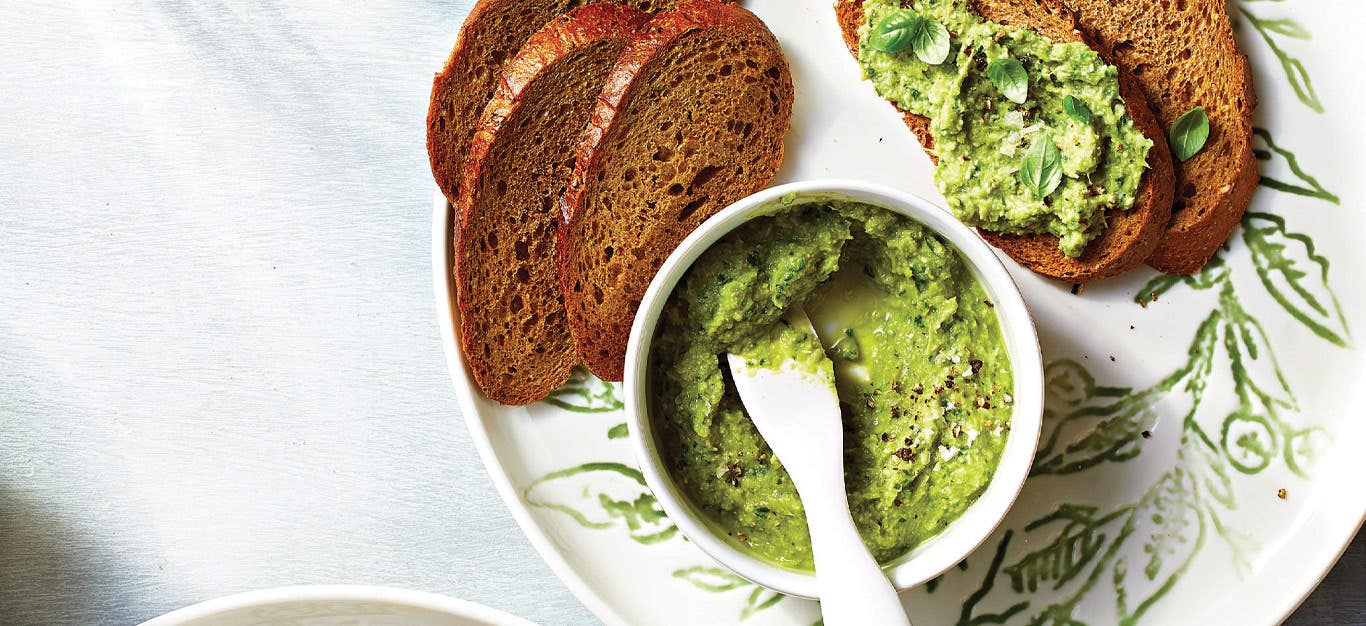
1076, 109
893, 33
930, 40
1189, 133
1041, 167
1010, 78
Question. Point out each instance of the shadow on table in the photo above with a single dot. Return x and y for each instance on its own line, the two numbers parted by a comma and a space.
49, 574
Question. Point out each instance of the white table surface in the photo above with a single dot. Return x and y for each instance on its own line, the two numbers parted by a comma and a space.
219, 363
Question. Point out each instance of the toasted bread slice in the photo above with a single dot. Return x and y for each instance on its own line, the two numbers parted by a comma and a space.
1184, 55
490, 35
692, 119
512, 322
1130, 236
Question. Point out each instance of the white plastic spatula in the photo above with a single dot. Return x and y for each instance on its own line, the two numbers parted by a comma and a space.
797, 411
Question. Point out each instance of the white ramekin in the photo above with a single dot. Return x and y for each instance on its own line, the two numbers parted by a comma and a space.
963, 535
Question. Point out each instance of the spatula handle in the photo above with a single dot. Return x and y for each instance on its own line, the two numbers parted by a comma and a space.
854, 590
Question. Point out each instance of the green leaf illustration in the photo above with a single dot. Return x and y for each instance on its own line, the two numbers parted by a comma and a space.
1070, 553
620, 431
966, 617
759, 599
1303, 449
1310, 186
1068, 384
1109, 433
1249, 441
1256, 373
1241, 546
713, 579
1293, 68
1289, 28
1169, 523
603, 495
585, 393
717, 580
1215, 272
1105, 430
1295, 276
1204, 459
1158, 286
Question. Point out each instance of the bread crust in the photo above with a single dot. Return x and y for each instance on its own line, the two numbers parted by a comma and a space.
601, 335
1130, 236
538, 354
449, 130
490, 35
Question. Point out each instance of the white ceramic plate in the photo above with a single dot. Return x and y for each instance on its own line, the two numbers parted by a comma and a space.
1171, 429
336, 605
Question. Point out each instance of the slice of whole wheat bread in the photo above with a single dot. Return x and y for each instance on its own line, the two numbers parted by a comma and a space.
512, 321
1183, 55
491, 34
692, 119
1130, 236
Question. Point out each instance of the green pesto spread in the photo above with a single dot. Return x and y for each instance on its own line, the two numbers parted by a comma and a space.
980, 136
920, 368
785, 344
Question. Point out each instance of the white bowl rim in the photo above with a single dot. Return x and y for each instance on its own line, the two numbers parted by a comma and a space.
422, 600
964, 534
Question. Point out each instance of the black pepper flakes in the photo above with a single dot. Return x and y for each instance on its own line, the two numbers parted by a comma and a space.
886, 437
732, 474
904, 454
976, 365
1147, 434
